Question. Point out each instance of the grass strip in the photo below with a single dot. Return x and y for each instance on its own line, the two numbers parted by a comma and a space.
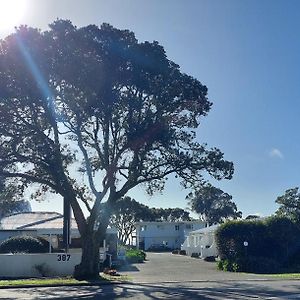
40, 281
284, 275
64, 281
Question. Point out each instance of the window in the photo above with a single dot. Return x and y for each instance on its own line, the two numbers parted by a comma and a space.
189, 226
176, 227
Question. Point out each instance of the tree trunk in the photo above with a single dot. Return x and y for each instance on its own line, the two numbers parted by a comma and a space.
91, 239
90, 260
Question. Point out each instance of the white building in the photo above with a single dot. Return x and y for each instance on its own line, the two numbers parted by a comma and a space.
164, 234
49, 225
201, 242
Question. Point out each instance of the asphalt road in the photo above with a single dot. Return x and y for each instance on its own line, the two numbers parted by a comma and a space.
166, 267
166, 276
182, 291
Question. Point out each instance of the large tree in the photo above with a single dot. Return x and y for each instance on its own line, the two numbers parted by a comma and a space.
11, 200
95, 101
289, 204
213, 205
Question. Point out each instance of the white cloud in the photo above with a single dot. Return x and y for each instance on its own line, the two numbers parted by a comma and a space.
276, 153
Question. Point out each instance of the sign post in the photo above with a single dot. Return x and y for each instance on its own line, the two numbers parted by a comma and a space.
67, 225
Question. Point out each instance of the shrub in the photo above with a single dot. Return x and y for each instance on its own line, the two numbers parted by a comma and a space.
272, 245
45, 244
23, 244
182, 252
175, 252
236, 267
227, 265
220, 265
196, 255
135, 256
209, 258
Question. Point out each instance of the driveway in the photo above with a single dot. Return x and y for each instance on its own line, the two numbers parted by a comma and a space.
167, 267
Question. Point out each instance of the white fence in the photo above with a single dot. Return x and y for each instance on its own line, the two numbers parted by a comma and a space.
37, 265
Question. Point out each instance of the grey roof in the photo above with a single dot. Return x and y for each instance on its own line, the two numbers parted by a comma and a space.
169, 222
209, 229
44, 222
35, 220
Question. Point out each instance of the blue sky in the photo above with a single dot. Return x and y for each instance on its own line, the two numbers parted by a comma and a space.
248, 55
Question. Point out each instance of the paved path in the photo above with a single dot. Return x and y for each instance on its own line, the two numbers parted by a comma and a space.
167, 267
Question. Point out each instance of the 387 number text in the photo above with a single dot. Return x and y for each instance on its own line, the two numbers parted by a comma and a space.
63, 257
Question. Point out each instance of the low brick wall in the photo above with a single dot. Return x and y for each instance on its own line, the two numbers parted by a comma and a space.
37, 265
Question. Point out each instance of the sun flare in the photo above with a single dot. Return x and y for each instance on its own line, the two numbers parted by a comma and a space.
11, 13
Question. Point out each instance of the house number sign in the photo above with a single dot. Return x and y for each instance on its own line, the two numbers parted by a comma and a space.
63, 257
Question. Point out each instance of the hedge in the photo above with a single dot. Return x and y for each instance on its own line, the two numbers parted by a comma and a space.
272, 244
24, 244
135, 256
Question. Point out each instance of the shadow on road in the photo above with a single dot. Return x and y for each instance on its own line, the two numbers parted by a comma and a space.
128, 268
181, 291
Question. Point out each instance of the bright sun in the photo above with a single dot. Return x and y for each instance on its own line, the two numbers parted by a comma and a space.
11, 13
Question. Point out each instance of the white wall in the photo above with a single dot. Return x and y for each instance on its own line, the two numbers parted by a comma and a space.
25, 265
165, 232
203, 244
159, 233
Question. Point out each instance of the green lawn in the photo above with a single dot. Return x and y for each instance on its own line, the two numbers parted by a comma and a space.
284, 276
60, 281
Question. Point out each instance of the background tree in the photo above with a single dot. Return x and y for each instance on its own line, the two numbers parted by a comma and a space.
90, 113
10, 201
128, 211
213, 205
289, 205
252, 217
170, 214
125, 214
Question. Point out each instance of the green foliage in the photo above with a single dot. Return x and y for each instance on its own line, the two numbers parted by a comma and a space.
220, 265
271, 245
227, 265
11, 198
127, 212
135, 256
24, 244
169, 214
115, 111
236, 267
212, 204
289, 205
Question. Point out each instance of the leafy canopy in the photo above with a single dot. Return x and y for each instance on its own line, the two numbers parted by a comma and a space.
125, 214
128, 211
90, 113
213, 205
10, 199
289, 204
96, 96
